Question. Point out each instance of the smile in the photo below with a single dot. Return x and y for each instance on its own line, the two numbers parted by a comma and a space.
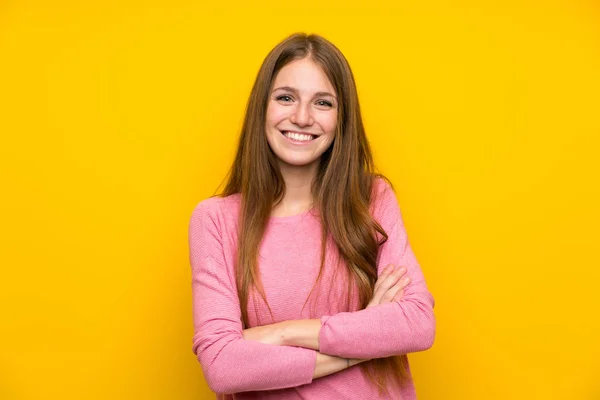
298, 138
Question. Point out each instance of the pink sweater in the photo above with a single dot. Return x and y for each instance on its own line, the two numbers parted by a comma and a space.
236, 368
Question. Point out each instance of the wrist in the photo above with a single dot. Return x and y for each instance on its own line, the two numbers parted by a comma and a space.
289, 333
280, 333
355, 361
299, 333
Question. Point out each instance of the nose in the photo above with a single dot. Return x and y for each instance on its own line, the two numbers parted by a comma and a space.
302, 116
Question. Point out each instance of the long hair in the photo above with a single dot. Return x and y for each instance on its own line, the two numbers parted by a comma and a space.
341, 190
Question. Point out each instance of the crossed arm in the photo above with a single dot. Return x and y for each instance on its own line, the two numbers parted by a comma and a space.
304, 349
300, 333
305, 332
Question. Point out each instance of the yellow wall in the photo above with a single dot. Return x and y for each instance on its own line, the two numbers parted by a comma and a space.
116, 118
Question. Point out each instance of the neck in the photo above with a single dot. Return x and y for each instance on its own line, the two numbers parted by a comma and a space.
298, 184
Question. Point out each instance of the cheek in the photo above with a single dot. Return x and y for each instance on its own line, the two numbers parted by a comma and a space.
275, 114
328, 123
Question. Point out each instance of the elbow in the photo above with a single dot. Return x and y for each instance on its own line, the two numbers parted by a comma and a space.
217, 373
416, 332
428, 337
219, 377
426, 331
419, 332
218, 381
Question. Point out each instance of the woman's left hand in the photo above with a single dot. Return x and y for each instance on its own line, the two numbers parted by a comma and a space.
267, 334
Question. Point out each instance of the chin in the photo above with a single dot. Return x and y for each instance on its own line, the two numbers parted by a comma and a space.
296, 162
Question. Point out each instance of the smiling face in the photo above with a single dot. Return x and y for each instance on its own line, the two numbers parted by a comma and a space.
301, 113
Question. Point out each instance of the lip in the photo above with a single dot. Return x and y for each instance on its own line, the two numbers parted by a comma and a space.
299, 132
296, 142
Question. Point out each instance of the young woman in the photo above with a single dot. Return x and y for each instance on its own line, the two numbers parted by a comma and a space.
295, 294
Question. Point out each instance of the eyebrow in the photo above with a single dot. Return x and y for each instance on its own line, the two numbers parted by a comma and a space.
291, 89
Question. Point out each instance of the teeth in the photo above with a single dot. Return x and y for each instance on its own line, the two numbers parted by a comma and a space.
297, 136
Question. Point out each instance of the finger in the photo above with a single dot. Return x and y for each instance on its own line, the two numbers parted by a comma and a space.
402, 283
386, 283
388, 269
385, 272
399, 296
390, 294
391, 279
394, 290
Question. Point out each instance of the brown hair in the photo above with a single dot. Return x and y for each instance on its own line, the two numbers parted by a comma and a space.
341, 190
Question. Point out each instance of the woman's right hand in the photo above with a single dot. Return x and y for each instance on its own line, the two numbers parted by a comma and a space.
389, 286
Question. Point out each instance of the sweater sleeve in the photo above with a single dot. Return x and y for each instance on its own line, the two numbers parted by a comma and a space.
395, 328
229, 362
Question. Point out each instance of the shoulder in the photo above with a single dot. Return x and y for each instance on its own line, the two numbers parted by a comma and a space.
216, 204
216, 208
384, 203
382, 192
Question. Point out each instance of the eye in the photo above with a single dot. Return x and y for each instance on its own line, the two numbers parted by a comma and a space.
284, 97
324, 103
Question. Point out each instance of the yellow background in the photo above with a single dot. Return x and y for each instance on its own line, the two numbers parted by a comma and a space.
118, 117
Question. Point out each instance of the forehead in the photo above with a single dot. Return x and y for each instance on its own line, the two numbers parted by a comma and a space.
305, 75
